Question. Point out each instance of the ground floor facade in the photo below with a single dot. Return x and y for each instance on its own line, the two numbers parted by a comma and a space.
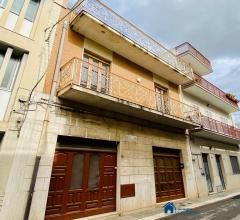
126, 166
92, 164
216, 166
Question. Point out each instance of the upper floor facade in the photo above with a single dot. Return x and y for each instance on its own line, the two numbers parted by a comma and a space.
215, 105
127, 73
110, 64
23, 49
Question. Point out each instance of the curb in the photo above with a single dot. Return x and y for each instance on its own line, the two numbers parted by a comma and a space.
194, 206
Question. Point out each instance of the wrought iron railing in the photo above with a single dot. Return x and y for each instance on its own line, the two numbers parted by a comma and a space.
213, 89
219, 127
186, 47
107, 16
80, 73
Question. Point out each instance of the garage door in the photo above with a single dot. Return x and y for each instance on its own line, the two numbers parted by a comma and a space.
82, 184
168, 175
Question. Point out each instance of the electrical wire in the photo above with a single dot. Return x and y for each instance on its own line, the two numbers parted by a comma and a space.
47, 41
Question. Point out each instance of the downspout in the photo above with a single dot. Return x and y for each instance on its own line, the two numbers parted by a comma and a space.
58, 63
45, 123
190, 147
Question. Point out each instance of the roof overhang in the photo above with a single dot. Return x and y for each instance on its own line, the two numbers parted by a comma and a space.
94, 29
210, 98
198, 66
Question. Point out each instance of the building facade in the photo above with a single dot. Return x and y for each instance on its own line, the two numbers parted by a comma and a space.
111, 128
24, 51
214, 146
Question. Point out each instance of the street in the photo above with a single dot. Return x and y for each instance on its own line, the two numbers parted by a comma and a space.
224, 210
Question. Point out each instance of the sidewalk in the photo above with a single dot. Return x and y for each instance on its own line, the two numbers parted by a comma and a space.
156, 213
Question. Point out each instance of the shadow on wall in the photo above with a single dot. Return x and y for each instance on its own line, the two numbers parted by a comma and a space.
1, 137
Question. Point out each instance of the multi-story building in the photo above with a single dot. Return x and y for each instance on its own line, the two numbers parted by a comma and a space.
23, 59
111, 129
215, 145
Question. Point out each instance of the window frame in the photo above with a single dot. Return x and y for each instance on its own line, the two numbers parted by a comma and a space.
3, 3
91, 57
20, 9
36, 12
12, 81
236, 166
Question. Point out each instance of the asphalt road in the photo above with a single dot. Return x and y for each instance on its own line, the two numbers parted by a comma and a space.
224, 210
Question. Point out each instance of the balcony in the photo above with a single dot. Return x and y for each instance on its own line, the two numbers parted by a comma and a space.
216, 130
198, 62
99, 23
206, 91
90, 85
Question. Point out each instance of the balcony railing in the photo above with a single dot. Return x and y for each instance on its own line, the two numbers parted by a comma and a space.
219, 127
186, 47
213, 89
86, 75
130, 31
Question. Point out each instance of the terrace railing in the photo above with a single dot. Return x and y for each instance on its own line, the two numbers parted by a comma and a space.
107, 16
213, 89
219, 127
86, 75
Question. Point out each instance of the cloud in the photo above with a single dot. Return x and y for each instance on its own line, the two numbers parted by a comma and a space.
212, 26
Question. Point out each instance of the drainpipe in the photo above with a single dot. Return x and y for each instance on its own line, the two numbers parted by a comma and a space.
45, 124
58, 63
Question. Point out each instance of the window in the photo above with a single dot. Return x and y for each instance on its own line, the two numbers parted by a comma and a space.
32, 10
104, 77
2, 54
17, 6
77, 172
84, 72
162, 99
94, 74
224, 120
10, 72
208, 114
3, 3
235, 164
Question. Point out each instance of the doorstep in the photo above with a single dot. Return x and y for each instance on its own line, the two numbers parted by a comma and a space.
107, 216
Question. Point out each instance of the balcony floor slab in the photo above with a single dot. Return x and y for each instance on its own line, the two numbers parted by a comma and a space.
102, 101
207, 134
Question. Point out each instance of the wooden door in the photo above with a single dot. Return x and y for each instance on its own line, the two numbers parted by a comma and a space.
82, 184
168, 177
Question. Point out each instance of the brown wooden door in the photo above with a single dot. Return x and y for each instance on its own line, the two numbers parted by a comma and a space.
168, 177
82, 184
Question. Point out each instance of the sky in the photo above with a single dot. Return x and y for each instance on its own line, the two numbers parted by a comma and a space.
211, 26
